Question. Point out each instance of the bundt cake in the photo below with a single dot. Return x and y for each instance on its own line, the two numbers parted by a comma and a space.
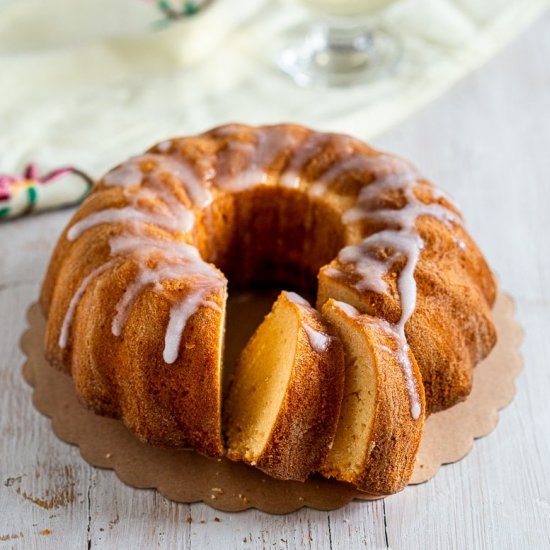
284, 400
377, 438
136, 290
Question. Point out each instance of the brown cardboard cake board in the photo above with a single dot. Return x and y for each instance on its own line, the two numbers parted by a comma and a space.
185, 476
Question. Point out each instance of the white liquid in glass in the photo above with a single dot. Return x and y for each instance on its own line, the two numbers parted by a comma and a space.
345, 7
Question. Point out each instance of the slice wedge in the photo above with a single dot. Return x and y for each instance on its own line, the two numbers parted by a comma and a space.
377, 437
284, 400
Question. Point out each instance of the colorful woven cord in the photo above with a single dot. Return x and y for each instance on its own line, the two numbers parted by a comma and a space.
31, 192
183, 9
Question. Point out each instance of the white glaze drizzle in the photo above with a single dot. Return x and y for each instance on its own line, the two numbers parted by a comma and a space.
401, 353
367, 206
130, 173
392, 173
319, 341
179, 260
145, 245
179, 217
270, 142
405, 217
313, 145
124, 175
176, 261
399, 240
353, 312
348, 309
130, 177
164, 146
179, 315
228, 130
379, 165
198, 193
71, 310
175, 216
408, 246
297, 299
115, 215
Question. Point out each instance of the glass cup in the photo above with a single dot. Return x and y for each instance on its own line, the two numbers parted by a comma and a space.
342, 46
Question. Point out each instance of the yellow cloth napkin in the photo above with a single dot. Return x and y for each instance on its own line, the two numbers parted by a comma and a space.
90, 82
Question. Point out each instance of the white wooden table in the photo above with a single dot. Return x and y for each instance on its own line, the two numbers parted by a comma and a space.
488, 143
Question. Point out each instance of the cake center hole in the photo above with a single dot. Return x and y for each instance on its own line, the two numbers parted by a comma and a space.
264, 241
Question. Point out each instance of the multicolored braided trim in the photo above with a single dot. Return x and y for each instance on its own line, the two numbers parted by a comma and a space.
31, 192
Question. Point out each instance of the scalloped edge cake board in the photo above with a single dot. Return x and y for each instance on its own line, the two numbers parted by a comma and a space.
185, 476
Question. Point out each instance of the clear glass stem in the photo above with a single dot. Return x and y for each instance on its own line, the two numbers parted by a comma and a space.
339, 51
342, 45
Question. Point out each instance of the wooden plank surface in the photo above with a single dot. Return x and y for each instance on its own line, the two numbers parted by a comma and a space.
488, 143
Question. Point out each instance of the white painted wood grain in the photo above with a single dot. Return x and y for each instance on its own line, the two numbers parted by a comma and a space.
488, 143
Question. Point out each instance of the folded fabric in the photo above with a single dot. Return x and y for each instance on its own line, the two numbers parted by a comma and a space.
95, 81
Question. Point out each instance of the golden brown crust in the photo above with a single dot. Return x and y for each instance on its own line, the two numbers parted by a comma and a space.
173, 409
163, 404
395, 436
307, 419
271, 232
451, 329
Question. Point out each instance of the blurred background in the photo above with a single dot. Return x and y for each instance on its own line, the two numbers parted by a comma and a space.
86, 83
89, 82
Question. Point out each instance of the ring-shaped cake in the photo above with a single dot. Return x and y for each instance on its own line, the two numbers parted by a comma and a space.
136, 290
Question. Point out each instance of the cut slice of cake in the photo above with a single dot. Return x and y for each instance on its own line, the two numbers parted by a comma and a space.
377, 436
284, 401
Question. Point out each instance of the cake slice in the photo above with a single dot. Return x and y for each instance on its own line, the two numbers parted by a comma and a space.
284, 400
377, 436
